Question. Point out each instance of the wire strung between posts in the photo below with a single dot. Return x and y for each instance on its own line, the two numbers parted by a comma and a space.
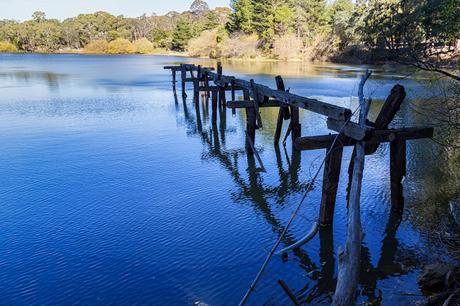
293, 216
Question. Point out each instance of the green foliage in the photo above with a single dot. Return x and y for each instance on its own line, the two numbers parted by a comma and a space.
181, 35
212, 21
6, 47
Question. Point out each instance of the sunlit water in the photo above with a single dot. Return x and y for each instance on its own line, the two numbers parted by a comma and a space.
114, 192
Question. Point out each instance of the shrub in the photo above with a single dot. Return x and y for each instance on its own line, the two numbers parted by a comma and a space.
203, 45
97, 47
240, 45
120, 46
7, 47
143, 46
287, 47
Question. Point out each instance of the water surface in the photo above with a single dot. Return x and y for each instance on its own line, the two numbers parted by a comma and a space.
114, 191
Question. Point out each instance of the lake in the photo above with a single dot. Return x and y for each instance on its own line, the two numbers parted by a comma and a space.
114, 192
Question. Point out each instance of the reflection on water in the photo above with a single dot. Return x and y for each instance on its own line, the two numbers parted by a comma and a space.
394, 259
116, 191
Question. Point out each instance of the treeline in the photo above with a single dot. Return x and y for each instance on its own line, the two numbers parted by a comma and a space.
369, 30
103, 31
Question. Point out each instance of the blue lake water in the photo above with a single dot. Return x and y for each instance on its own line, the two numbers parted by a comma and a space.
114, 192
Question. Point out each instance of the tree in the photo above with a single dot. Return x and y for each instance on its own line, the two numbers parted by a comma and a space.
39, 16
181, 35
241, 18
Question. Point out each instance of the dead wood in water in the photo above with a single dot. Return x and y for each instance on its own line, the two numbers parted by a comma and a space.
350, 257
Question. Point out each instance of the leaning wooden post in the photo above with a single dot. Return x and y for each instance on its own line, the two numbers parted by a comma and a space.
397, 173
283, 113
183, 77
350, 257
331, 177
250, 123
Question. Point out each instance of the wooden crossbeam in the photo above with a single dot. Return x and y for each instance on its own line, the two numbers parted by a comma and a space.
226, 88
350, 129
376, 137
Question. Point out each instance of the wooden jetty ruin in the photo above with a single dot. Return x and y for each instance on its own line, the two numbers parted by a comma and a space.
365, 136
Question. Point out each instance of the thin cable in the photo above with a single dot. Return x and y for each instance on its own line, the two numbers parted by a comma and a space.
293, 216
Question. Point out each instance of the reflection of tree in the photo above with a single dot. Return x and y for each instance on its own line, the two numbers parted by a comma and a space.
395, 259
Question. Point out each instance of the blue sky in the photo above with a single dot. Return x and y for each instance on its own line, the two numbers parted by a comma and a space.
61, 9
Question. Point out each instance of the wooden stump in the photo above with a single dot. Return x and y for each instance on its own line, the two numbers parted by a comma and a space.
295, 125
183, 77
283, 113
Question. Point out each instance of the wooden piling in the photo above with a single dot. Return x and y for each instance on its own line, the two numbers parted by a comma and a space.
295, 125
183, 77
283, 113
250, 124
331, 177
397, 173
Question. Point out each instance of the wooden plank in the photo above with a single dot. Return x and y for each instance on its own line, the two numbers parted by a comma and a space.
397, 173
329, 110
376, 137
289, 292
331, 177
250, 104
226, 88
350, 129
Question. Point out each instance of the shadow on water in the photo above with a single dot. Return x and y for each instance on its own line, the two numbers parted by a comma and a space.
394, 260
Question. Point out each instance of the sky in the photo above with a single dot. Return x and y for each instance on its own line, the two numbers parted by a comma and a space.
61, 9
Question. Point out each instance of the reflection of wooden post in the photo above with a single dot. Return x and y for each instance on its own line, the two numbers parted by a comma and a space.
250, 123
283, 113
214, 106
397, 173
330, 184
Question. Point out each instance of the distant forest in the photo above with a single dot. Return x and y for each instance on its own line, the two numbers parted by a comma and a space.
340, 30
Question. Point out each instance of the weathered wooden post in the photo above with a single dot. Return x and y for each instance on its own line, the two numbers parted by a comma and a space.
397, 172
331, 177
233, 96
350, 256
219, 82
283, 113
196, 86
250, 123
174, 78
295, 125
183, 77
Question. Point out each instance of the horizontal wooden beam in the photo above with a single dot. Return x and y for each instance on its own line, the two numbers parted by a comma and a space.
349, 129
188, 67
250, 104
376, 137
